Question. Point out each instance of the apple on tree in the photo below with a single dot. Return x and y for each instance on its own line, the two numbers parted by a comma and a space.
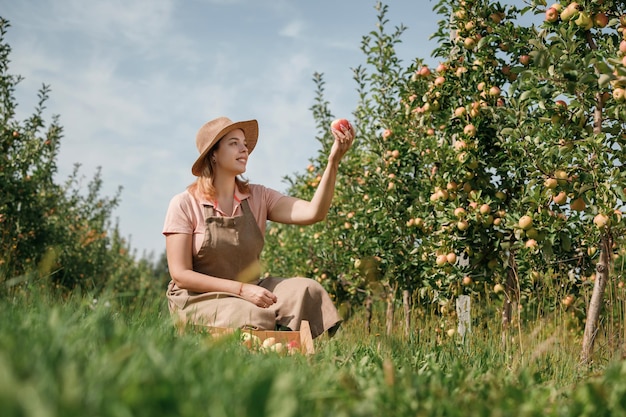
552, 15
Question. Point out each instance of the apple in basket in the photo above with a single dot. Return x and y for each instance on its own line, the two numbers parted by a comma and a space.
269, 342
293, 346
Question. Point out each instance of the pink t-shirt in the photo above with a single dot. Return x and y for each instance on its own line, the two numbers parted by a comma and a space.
185, 213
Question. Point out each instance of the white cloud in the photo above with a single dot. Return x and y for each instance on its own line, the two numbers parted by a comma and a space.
293, 29
133, 80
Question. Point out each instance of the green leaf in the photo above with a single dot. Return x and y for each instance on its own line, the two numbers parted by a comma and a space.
604, 79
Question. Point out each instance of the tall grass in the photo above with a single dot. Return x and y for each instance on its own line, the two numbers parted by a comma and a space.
109, 357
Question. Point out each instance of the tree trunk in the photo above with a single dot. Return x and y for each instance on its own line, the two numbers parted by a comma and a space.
406, 304
368, 309
511, 296
597, 297
389, 315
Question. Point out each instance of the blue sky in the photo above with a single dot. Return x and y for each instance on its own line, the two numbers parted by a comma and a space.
133, 80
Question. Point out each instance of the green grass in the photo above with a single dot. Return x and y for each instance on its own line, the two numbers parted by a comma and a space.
108, 358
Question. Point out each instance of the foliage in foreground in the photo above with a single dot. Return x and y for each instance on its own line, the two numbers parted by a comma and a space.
99, 358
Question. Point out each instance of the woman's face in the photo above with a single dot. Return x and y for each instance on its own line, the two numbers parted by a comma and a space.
231, 153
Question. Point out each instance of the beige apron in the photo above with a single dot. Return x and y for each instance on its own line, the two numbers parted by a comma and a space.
231, 249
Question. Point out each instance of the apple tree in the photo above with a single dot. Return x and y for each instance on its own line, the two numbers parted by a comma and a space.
537, 137
53, 235
497, 171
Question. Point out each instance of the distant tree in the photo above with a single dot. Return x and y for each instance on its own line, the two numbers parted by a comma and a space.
56, 235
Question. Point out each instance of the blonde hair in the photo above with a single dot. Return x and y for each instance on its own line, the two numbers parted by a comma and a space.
203, 186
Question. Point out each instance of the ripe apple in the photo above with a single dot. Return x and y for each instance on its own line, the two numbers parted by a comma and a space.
601, 20
387, 133
619, 94
277, 347
451, 258
561, 176
441, 68
561, 104
531, 244
470, 130
441, 260
578, 204
525, 222
424, 71
601, 220
467, 280
550, 183
269, 342
485, 209
622, 46
341, 125
459, 145
469, 43
552, 15
570, 12
494, 91
460, 212
462, 225
293, 346
560, 198
524, 60
439, 81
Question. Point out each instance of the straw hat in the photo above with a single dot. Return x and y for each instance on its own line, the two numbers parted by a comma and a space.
211, 132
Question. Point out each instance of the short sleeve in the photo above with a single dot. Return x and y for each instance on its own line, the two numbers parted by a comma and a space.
262, 200
271, 198
181, 216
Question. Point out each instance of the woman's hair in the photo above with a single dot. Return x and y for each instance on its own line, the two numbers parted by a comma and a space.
204, 187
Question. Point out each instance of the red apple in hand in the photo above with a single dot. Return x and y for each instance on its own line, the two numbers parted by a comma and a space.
340, 124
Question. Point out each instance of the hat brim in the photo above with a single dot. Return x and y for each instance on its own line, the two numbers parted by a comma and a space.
250, 130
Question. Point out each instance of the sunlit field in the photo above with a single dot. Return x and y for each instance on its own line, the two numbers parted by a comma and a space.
88, 357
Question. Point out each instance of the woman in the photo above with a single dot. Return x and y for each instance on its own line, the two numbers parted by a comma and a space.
214, 233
